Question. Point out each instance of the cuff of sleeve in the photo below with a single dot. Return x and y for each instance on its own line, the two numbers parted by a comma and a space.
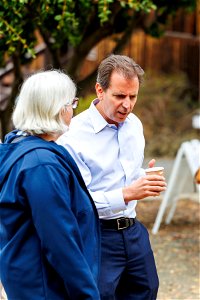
116, 200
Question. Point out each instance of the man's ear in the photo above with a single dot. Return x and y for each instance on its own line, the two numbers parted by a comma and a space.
99, 91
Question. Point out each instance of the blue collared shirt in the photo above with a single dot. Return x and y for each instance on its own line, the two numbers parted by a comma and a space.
109, 158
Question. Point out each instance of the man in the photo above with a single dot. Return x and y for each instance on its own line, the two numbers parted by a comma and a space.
107, 144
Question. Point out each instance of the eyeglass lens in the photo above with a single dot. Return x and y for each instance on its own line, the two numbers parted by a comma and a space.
75, 103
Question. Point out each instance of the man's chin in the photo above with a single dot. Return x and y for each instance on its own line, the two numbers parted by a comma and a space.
122, 118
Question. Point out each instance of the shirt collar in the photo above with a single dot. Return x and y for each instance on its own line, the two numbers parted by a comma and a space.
98, 121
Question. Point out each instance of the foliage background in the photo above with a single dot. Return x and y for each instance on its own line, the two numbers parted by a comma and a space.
70, 29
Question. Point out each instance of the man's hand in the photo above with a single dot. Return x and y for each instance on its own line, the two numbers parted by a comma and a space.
146, 186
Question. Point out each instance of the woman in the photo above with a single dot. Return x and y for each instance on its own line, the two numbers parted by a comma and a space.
49, 232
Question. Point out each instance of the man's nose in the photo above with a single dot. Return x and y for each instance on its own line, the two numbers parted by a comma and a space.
126, 103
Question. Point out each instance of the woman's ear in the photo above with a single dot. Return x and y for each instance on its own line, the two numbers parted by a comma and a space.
66, 114
99, 91
62, 111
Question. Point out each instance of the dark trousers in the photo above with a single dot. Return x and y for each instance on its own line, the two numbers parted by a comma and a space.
128, 270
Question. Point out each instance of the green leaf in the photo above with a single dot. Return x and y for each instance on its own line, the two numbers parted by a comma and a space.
58, 17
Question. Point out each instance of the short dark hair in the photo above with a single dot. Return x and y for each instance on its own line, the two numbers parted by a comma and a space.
120, 63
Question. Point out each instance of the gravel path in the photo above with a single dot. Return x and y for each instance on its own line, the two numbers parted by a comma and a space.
176, 247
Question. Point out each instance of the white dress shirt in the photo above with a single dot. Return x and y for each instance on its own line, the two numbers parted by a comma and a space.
108, 158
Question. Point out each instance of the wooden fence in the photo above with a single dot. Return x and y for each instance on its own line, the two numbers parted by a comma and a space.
174, 51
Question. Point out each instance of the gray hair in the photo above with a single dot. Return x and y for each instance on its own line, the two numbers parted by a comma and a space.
41, 98
120, 63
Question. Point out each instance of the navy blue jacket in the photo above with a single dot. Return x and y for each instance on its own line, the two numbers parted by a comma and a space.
49, 234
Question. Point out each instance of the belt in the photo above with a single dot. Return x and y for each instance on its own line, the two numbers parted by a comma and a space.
118, 224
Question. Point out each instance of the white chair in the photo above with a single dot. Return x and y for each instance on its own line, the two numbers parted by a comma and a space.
188, 154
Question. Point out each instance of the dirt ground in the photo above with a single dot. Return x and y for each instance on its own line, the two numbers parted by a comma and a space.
176, 248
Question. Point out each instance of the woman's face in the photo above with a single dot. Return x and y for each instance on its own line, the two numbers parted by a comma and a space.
118, 101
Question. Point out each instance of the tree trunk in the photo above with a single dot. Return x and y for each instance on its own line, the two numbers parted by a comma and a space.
5, 116
54, 53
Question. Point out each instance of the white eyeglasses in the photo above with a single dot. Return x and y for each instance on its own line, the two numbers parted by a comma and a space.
74, 103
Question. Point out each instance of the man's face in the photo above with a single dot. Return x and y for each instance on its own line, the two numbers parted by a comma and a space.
119, 99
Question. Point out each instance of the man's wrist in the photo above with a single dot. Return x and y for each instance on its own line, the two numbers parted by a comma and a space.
126, 194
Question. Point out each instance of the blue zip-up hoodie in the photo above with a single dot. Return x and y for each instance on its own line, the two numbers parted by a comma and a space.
49, 230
